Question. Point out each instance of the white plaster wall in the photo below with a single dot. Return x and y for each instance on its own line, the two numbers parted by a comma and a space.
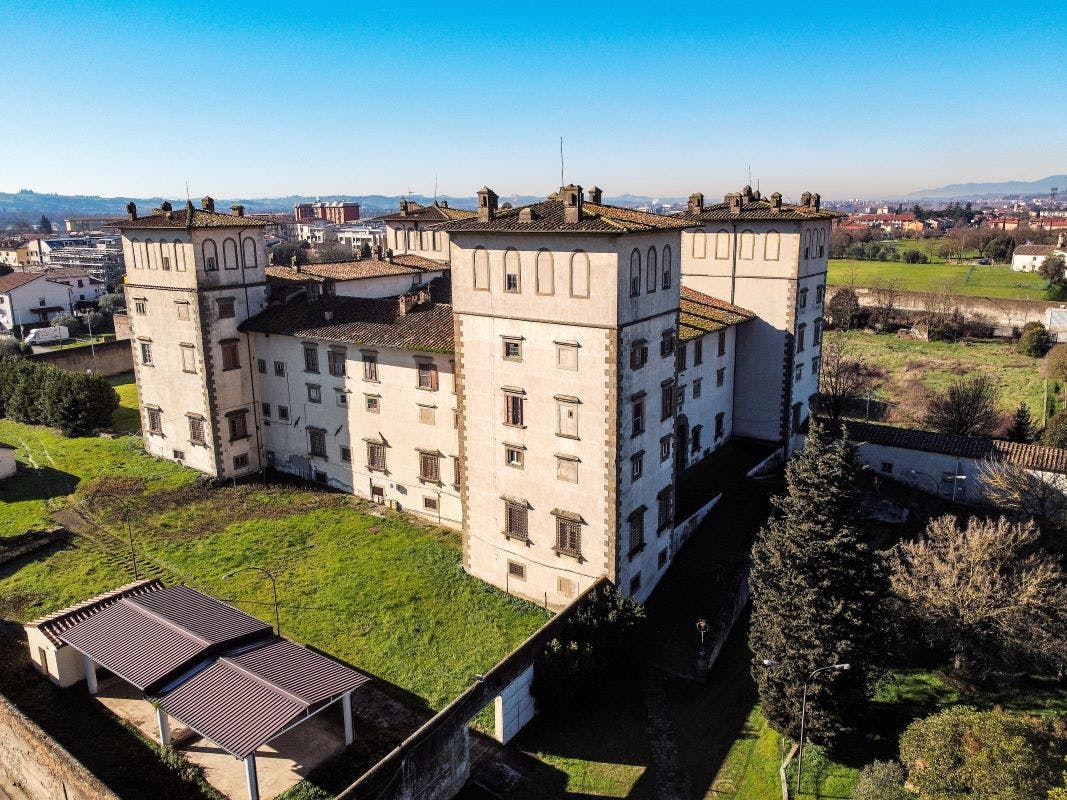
430, 241
62, 665
384, 286
16, 306
713, 399
933, 471
7, 463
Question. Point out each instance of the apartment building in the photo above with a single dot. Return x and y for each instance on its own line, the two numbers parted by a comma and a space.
336, 212
33, 298
540, 387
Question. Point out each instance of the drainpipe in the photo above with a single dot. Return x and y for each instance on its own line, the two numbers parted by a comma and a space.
248, 350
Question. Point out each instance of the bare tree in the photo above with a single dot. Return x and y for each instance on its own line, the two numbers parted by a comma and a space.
967, 407
884, 296
960, 241
843, 378
1024, 495
986, 592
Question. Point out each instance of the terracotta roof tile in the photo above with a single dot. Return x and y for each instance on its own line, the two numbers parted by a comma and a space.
755, 210
191, 218
355, 270
14, 280
699, 314
548, 215
419, 213
1035, 250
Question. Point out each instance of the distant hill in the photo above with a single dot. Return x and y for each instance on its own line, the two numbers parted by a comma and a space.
29, 205
963, 191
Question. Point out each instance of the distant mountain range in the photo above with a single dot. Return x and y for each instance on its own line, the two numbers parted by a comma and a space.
30, 205
963, 191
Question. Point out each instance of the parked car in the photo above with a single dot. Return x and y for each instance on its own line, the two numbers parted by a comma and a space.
985, 262
50, 335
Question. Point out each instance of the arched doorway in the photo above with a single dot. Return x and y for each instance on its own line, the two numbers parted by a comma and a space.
681, 444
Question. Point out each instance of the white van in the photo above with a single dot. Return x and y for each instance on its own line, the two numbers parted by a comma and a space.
51, 335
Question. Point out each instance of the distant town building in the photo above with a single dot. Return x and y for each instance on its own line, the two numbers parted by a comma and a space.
1030, 257
32, 298
99, 256
336, 212
92, 224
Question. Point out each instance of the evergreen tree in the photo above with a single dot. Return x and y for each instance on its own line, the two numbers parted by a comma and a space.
45, 225
1022, 425
815, 590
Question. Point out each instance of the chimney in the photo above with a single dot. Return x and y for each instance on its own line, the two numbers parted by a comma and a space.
404, 304
572, 203
444, 204
1060, 242
816, 201
696, 203
486, 204
389, 255
596, 195
295, 262
403, 207
166, 207
776, 202
733, 200
208, 204
327, 315
747, 193
131, 210
805, 199
526, 214
238, 211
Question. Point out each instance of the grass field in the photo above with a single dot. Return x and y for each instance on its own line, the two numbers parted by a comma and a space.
985, 281
906, 363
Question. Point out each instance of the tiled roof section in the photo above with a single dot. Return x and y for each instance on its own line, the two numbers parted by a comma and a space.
548, 216
358, 320
354, 270
191, 218
699, 314
429, 214
1035, 250
1030, 456
761, 209
14, 280
54, 624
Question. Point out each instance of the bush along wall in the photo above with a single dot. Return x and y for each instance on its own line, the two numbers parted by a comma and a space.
39, 394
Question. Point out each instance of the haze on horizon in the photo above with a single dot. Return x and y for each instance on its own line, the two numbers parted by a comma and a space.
268, 99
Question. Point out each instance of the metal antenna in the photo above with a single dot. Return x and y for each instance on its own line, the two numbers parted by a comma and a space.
562, 183
749, 174
187, 191
435, 189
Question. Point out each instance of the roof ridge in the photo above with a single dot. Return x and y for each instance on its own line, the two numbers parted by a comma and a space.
155, 615
253, 646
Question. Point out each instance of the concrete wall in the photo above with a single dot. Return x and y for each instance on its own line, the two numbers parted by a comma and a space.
932, 473
514, 707
61, 665
7, 463
1003, 313
43, 769
109, 358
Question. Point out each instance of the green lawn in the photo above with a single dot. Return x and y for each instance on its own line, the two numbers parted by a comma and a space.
907, 363
985, 281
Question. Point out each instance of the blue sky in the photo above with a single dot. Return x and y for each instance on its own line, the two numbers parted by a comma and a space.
257, 99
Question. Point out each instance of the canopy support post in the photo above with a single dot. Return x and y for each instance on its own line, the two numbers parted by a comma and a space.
163, 721
251, 777
90, 675
346, 704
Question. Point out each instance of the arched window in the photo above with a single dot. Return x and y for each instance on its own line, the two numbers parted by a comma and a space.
413, 239
150, 262
166, 255
229, 254
251, 259
179, 256
667, 266
635, 273
747, 249
651, 279
822, 243
772, 246
433, 240
512, 271
545, 270
211, 255
579, 274
807, 245
722, 244
700, 244
481, 269
135, 253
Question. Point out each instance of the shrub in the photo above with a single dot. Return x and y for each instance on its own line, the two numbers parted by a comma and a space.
10, 346
882, 780
967, 407
993, 755
39, 394
1056, 363
914, 257
1034, 341
843, 308
112, 303
593, 650
71, 322
1055, 434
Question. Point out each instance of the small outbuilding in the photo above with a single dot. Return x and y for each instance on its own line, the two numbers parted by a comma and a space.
7, 461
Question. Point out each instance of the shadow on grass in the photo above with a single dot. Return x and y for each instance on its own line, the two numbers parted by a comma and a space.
42, 483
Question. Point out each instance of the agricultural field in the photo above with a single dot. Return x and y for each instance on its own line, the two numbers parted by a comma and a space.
966, 279
906, 365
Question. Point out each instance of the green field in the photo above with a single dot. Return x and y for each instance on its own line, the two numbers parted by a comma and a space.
967, 279
908, 364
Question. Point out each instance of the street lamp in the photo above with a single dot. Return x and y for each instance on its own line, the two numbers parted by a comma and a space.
272, 575
125, 505
803, 716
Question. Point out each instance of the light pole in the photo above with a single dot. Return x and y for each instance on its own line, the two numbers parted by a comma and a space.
803, 717
125, 505
273, 586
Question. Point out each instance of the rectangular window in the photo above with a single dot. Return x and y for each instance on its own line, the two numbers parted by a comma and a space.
146, 353
667, 401
638, 354
188, 358
265, 407
429, 467
140, 306
696, 387
376, 456
427, 376
720, 425
261, 366
887, 467
511, 274
635, 584
681, 397
166, 265
241, 461
155, 420
455, 471
722, 342
796, 417
178, 454
517, 570
637, 465
279, 369
427, 415
815, 366
567, 469
317, 440
429, 503
370, 367
226, 308
567, 356
238, 426
820, 293
346, 453
567, 418
568, 536
513, 456
283, 413
183, 310
513, 408
372, 403
816, 332
196, 430
638, 416
314, 393
698, 351
664, 448
516, 520
802, 298
661, 559
720, 376
681, 356
512, 350
231, 355
311, 358
637, 531
210, 264
800, 337
665, 509
342, 398
798, 373
697, 430
336, 362
666, 345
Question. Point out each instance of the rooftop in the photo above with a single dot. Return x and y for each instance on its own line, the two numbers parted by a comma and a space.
1035, 249
14, 280
54, 624
189, 217
410, 211
354, 270
750, 205
700, 314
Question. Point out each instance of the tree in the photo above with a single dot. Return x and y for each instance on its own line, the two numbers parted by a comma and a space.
815, 588
1055, 434
1034, 341
1059, 792
71, 322
45, 225
9, 346
1024, 495
1053, 268
843, 308
112, 303
1055, 366
967, 407
985, 592
332, 253
843, 379
884, 296
959, 242
881, 780
1022, 426
985, 755
282, 254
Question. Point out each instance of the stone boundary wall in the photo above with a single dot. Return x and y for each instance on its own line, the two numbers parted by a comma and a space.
39, 766
110, 358
1005, 313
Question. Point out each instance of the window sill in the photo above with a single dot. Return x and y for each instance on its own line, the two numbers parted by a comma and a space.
514, 425
432, 481
636, 434
635, 551
575, 554
426, 388
524, 539
157, 433
575, 437
382, 470
241, 438
662, 529
321, 457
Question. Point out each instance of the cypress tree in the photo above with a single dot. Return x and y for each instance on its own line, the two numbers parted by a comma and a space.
815, 590
1022, 425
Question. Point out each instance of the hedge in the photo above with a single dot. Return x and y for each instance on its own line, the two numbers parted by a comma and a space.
39, 394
